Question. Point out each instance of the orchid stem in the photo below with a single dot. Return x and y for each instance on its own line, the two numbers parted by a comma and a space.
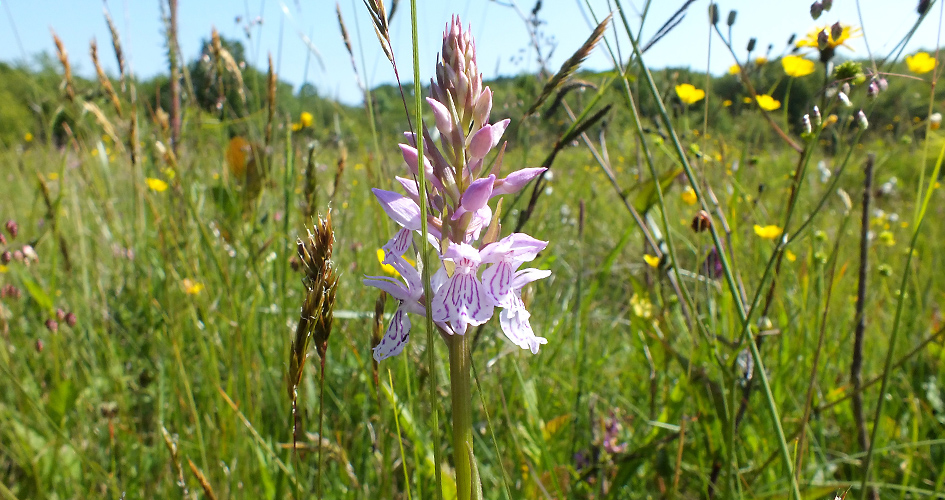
467, 472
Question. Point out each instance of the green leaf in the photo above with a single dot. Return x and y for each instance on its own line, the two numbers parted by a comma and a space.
646, 195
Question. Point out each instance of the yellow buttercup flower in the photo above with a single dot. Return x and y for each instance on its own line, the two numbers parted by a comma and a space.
768, 103
921, 63
651, 260
761, 60
28, 137
156, 185
796, 66
688, 94
192, 287
769, 232
726, 103
789, 255
689, 196
305, 119
811, 40
734, 69
387, 268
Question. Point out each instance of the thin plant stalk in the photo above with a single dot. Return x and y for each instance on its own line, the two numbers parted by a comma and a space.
425, 251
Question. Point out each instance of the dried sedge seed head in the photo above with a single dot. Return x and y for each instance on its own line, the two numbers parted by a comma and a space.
732, 14
751, 44
713, 13
923, 7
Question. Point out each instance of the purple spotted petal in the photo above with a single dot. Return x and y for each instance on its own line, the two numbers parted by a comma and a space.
515, 326
398, 333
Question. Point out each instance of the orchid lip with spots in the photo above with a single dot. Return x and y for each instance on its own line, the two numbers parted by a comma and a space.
479, 272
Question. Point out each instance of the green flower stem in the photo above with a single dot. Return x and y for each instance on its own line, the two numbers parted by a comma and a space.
467, 472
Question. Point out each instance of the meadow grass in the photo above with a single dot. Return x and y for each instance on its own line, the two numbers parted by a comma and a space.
178, 259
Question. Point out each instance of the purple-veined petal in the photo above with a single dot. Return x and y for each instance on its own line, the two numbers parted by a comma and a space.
398, 333
462, 300
515, 326
497, 280
519, 247
444, 120
516, 181
399, 244
399, 208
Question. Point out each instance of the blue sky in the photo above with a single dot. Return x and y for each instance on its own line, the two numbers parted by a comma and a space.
501, 37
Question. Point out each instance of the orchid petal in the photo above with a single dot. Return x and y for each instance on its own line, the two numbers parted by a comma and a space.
481, 142
396, 337
399, 208
516, 181
515, 326
478, 193
444, 120
497, 129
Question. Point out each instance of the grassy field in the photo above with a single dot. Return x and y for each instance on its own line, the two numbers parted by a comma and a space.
146, 346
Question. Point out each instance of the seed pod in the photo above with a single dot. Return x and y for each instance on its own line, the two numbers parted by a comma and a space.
701, 222
816, 9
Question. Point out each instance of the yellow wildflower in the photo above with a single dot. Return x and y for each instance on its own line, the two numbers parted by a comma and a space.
761, 60
689, 196
192, 287
688, 94
769, 232
726, 103
768, 103
28, 137
789, 255
305, 119
156, 185
641, 306
651, 260
921, 63
734, 69
846, 33
796, 66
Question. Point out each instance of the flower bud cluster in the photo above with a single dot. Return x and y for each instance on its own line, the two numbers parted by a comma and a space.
460, 184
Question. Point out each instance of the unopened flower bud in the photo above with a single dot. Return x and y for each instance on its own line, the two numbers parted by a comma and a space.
805, 123
60, 314
18, 255
751, 44
70, 319
6, 257
39, 345
701, 222
827, 4
816, 9
52, 325
732, 14
12, 228
883, 84
29, 254
844, 99
845, 88
817, 120
823, 40
836, 31
872, 90
861, 120
713, 13
935, 121
3, 239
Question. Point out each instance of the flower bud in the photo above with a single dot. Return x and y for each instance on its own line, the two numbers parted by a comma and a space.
836, 31
70, 319
442, 116
12, 228
18, 255
805, 123
29, 254
51, 325
844, 99
3, 239
60, 314
823, 40
732, 14
935, 121
861, 120
923, 6
883, 84
817, 120
39, 346
827, 4
6, 257
872, 90
816, 9
701, 221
